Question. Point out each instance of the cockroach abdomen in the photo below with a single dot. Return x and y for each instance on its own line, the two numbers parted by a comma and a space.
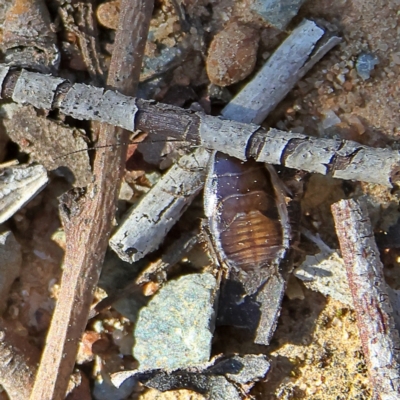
247, 215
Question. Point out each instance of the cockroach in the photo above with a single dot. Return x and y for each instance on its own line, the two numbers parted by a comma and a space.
250, 213
248, 219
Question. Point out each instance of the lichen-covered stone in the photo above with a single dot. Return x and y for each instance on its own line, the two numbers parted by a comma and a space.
175, 329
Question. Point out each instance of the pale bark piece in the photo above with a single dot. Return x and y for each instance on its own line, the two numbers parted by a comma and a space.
325, 273
277, 77
18, 185
379, 337
36, 89
217, 134
88, 102
146, 225
338, 158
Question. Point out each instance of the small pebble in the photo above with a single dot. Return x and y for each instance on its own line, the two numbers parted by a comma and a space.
365, 64
104, 389
396, 58
108, 14
353, 120
253, 368
85, 351
175, 329
330, 119
232, 54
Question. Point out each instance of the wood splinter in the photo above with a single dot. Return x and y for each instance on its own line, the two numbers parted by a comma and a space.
379, 337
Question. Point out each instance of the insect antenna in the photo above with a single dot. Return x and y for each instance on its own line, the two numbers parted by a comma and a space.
116, 145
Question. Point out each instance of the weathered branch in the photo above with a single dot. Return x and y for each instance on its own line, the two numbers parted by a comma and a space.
339, 158
87, 218
379, 337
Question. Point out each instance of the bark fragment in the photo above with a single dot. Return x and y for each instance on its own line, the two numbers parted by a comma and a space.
18, 185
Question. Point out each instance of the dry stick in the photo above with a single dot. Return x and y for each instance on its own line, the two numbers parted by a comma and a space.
88, 221
379, 337
341, 159
145, 226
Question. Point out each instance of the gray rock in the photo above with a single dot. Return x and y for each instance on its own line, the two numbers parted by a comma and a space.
221, 389
277, 12
254, 368
326, 273
10, 265
365, 64
175, 329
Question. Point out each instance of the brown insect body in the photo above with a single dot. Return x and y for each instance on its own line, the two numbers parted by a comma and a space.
247, 214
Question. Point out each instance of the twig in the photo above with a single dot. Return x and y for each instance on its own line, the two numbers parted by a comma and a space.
341, 159
379, 337
87, 220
